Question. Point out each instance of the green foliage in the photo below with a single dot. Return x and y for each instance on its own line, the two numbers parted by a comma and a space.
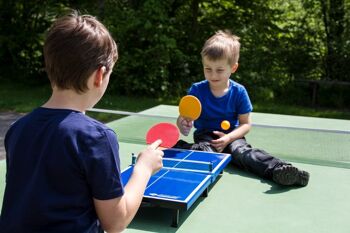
22, 27
153, 60
283, 42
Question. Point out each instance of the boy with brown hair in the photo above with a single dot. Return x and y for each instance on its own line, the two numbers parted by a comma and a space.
63, 167
224, 99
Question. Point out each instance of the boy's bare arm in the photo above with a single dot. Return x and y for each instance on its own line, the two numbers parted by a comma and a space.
245, 124
224, 139
115, 214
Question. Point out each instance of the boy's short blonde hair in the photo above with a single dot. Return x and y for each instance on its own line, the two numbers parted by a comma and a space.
76, 46
222, 45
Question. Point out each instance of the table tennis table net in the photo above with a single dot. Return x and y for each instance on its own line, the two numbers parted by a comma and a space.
322, 147
190, 165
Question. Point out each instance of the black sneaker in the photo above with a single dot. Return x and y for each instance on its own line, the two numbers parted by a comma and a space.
303, 178
289, 175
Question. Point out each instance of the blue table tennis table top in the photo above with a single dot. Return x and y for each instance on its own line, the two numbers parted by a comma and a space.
188, 176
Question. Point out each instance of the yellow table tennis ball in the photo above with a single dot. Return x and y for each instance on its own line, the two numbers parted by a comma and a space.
225, 125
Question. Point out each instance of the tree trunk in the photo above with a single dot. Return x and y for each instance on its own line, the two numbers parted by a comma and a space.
333, 17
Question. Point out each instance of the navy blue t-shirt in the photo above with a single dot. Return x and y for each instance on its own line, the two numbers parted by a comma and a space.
58, 160
216, 109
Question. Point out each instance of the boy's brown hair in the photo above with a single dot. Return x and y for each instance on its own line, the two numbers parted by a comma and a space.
75, 46
222, 45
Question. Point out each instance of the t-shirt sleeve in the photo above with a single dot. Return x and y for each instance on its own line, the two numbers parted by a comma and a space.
193, 90
102, 166
244, 103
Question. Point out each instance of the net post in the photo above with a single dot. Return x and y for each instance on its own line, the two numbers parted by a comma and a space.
211, 166
133, 158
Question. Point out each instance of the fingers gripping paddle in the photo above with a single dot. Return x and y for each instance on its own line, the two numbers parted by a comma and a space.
190, 107
167, 132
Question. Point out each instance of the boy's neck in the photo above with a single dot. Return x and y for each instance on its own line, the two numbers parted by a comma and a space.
219, 91
68, 99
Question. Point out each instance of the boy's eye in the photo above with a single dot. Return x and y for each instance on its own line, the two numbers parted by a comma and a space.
219, 71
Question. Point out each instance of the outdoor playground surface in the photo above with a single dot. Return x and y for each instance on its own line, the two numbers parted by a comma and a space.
240, 202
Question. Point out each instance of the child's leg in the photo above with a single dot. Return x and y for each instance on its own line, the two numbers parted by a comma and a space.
254, 160
251, 159
265, 165
244, 156
202, 140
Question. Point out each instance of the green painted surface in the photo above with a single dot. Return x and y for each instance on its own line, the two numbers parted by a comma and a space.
239, 202
300, 121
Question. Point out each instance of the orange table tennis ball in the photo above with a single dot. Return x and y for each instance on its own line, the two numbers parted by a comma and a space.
225, 125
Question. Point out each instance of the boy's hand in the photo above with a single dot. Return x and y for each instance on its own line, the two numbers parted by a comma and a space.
184, 124
151, 159
220, 143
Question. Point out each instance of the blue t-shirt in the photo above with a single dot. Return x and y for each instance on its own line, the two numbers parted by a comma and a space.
57, 161
216, 109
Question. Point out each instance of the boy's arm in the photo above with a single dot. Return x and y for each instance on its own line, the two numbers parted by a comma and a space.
115, 214
224, 139
245, 124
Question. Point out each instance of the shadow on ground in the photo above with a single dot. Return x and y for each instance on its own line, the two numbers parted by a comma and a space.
274, 188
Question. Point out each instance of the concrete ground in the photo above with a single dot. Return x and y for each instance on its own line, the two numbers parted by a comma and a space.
6, 119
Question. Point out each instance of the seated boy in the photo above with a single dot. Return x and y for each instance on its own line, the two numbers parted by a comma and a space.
224, 99
63, 167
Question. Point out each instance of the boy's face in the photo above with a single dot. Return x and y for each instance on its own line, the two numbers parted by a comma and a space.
217, 72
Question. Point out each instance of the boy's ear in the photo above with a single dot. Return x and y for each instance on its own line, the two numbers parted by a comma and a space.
99, 76
234, 68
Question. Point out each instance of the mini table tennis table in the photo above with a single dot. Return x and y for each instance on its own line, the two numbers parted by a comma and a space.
186, 175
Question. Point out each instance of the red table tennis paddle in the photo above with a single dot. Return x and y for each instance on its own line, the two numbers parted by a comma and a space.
167, 132
190, 107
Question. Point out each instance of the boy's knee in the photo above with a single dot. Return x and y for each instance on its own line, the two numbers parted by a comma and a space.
204, 136
181, 144
239, 147
203, 146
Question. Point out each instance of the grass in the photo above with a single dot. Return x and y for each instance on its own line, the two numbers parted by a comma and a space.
23, 98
